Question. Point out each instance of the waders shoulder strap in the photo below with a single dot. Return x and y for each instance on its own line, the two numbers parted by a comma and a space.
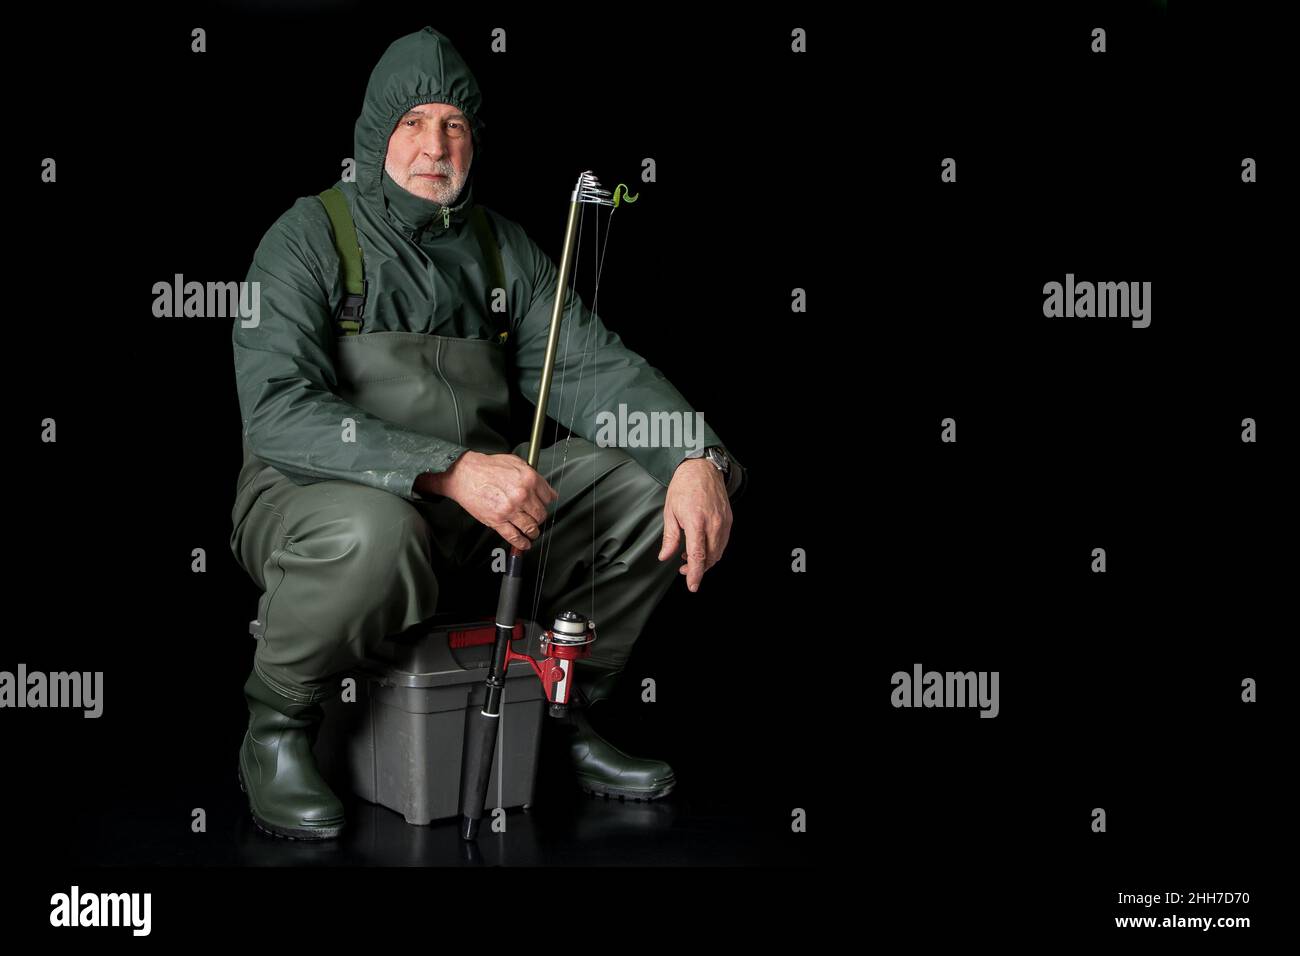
349, 316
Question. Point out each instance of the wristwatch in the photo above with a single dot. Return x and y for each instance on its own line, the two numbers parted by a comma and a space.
718, 457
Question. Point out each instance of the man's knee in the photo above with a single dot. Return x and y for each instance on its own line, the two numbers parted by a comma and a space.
644, 495
352, 570
351, 540
378, 519
629, 511
378, 534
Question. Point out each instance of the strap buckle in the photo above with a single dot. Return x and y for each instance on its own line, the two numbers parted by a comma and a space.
351, 312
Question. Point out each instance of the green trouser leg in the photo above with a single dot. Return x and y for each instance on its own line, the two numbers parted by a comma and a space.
337, 563
341, 566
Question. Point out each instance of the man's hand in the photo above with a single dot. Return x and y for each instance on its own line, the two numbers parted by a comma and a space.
697, 505
500, 491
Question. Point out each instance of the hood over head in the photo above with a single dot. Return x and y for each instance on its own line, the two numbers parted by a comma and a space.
418, 68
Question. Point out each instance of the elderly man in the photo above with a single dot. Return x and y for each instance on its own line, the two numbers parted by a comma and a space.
379, 456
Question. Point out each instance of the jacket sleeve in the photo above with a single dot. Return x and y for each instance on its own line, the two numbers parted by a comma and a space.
595, 372
286, 379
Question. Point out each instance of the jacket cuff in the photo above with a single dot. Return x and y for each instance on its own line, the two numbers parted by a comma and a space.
437, 465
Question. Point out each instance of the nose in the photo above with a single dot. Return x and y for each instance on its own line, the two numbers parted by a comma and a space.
434, 143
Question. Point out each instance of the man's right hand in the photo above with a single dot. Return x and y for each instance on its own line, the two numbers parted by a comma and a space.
500, 491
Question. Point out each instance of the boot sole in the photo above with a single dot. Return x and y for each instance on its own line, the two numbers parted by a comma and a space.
288, 833
640, 796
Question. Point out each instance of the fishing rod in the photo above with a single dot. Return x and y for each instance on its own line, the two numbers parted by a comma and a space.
572, 635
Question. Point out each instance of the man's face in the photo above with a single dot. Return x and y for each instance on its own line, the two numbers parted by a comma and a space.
430, 151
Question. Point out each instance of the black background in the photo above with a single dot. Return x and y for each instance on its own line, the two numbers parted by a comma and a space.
775, 171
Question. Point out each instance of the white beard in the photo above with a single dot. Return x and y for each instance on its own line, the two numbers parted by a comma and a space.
443, 192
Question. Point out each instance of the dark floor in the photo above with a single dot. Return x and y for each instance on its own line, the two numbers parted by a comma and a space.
697, 823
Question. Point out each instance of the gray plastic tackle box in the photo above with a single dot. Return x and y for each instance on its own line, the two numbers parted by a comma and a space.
399, 744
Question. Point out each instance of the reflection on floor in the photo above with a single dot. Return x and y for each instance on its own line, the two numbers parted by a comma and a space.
698, 823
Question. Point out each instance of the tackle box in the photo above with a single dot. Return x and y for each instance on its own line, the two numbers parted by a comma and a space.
399, 744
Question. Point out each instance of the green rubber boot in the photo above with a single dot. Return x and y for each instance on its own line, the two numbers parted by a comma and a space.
599, 766
286, 794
